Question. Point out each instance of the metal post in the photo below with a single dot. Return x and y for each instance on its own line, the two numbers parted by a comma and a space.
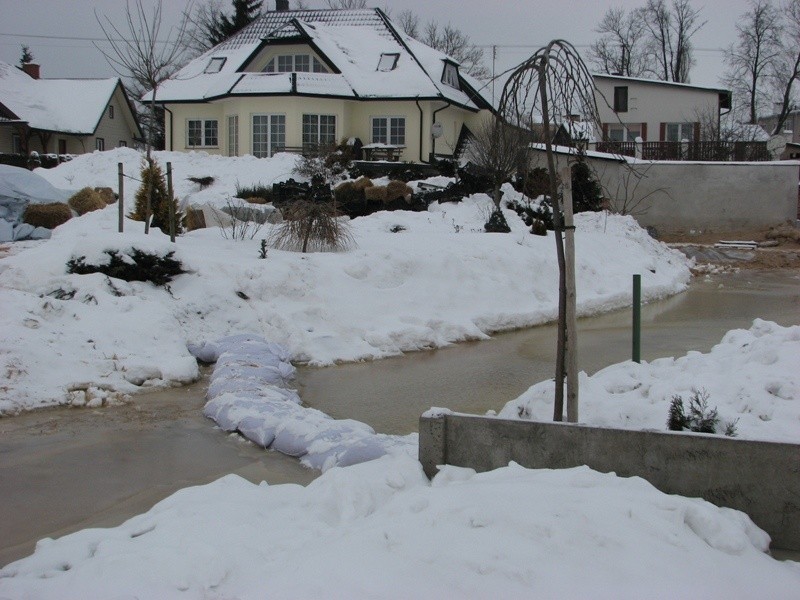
121, 201
171, 202
637, 318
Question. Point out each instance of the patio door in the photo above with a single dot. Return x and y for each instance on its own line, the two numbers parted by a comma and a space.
269, 134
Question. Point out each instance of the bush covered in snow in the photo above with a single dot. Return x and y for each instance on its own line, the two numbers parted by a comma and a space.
49, 215
86, 200
135, 265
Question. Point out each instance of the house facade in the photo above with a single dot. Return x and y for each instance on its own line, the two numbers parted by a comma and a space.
62, 116
294, 80
657, 111
792, 124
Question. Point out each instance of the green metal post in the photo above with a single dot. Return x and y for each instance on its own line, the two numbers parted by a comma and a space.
637, 318
121, 201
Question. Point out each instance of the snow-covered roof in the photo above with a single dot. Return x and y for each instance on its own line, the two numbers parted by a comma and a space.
64, 105
352, 41
623, 78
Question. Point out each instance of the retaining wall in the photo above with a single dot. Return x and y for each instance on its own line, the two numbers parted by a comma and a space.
759, 478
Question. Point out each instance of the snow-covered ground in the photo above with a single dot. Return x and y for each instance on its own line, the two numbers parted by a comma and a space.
437, 280
381, 530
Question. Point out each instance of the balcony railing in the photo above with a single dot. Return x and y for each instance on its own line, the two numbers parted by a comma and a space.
704, 151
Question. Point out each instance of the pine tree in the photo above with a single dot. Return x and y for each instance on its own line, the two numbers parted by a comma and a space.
244, 13
26, 56
587, 195
153, 178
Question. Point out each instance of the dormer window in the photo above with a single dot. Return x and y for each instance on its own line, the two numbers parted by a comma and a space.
450, 76
215, 64
294, 63
388, 61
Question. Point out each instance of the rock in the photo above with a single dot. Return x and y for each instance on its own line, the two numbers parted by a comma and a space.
41, 233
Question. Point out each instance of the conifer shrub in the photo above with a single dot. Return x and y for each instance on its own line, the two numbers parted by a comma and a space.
587, 195
86, 200
698, 417
497, 223
310, 226
133, 265
152, 177
49, 216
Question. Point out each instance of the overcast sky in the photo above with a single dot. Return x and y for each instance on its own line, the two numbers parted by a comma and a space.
517, 27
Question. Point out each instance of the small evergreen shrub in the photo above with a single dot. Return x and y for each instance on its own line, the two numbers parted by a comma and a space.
310, 226
47, 215
497, 223
86, 200
153, 178
135, 265
107, 194
699, 417
587, 195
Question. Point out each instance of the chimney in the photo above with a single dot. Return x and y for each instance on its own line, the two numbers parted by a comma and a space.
281, 5
32, 69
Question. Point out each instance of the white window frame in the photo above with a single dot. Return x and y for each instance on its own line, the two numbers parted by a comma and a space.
685, 132
315, 129
390, 122
205, 140
215, 64
100, 144
629, 133
388, 61
232, 122
290, 63
272, 144
122, 144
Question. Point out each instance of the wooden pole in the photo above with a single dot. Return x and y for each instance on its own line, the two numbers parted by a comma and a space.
171, 201
571, 320
121, 201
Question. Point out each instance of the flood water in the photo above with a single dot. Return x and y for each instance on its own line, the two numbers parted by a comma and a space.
67, 469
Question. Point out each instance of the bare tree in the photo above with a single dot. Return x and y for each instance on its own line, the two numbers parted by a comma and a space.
347, 4
201, 19
555, 82
621, 46
138, 52
499, 149
671, 28
408, 21
786, 69
457, 44
753, 56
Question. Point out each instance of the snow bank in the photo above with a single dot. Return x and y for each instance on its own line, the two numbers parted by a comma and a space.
438, 280
248, 393
381, 530
752, 377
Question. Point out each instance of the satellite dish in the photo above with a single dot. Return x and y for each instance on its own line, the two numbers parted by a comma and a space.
437, 130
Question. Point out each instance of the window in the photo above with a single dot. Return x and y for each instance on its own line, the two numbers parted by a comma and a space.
62, 146
676, 132
16, 143
450, 75
122, 144
294, 63
233, 135
388, 61
99, 144
389, 130
110, 111
621, 99
319, 129
201, 133
624, 133
269, 134
215, 64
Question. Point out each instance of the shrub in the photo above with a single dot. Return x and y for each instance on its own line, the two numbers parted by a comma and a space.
376, 193
587, 195
311, 226
153, 178
497, 223
398, 190
534, 183
255, 200
362, 183
701, 418
86, 200
259, 190
107, 194
134, 265
49, 216
203, 182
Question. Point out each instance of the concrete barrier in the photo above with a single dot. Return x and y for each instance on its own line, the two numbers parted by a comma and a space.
759, 478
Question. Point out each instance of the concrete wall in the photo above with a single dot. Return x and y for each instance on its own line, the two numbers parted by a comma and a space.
759, 478
678, 197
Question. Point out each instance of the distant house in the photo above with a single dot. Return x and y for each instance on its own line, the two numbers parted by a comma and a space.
656, 111
63, 116
792, 124
294, 80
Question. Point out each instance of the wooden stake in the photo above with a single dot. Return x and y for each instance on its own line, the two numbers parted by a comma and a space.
571, 320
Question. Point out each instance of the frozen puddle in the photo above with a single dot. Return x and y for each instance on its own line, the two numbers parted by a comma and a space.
248, 394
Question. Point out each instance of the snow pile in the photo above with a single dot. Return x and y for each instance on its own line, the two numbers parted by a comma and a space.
751, 376
381, 530
413, 281
248, 394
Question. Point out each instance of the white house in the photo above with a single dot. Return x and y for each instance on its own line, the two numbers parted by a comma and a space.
294, 79
64, 116
656, 111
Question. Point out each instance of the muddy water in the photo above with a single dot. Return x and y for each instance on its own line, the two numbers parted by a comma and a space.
67, 469
475, 377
